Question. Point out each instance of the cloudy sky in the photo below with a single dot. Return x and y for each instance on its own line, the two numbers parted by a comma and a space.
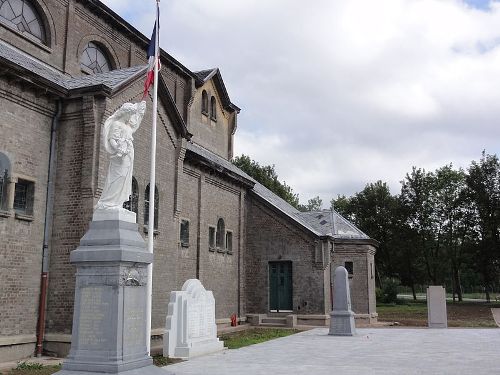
339, 93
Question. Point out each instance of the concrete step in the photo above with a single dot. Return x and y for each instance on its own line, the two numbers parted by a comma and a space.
270, 320
272, 325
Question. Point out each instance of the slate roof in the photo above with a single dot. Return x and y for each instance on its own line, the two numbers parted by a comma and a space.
25, 61
203, 74
320, 223
283, 206
218, 163
331, 223
112, 79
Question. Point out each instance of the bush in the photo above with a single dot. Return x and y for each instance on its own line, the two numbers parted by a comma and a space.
389, 291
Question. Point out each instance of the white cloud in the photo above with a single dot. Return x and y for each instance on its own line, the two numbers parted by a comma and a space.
340, 93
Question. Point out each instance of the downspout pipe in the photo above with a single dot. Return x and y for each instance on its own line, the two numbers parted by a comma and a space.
49, 213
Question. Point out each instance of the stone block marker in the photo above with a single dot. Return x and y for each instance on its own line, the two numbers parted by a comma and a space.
190, 325
342, 317
109, 321
436, 307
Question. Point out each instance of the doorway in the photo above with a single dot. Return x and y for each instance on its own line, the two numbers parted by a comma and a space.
280, 287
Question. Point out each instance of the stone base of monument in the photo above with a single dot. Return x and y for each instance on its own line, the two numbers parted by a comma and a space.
342, 316
190, 325
342, 323
109, 319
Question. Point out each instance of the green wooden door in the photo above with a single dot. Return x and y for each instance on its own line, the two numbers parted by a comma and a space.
280, 286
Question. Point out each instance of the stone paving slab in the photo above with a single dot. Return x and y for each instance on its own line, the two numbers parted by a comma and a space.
373, 351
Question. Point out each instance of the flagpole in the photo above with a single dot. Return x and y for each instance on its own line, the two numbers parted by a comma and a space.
152, 182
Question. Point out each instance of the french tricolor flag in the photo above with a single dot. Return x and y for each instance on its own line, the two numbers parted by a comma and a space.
150, 77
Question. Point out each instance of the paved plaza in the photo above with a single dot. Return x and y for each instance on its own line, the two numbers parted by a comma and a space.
373, 351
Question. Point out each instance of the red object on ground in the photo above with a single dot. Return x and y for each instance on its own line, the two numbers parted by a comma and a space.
234, 322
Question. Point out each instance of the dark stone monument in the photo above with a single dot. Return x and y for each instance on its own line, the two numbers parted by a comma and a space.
342, 317
109, 321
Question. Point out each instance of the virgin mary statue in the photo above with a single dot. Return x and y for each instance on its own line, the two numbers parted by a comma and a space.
117, 138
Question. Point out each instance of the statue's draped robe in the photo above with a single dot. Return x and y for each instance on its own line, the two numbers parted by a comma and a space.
117, 138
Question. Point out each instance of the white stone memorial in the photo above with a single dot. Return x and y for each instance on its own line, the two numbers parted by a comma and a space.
190, 327
342, 316
436, 307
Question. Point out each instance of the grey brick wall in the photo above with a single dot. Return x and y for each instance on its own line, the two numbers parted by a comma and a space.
362, 282
270, 237
25, 122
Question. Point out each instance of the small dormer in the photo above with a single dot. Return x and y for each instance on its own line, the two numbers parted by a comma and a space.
212, 119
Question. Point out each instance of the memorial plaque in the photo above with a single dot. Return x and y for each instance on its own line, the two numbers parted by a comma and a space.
190, 325
94, 313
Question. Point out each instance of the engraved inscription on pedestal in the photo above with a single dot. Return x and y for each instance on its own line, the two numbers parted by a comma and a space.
94, 310
190, 326
134, 322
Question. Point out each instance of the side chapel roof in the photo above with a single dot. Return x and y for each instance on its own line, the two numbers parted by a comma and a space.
320, 223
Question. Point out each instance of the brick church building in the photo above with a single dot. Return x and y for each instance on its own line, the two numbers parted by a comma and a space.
65, 66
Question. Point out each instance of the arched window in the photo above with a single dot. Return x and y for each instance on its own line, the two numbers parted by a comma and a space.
213, 108
204, 102
221, 233
94, 59
4, 180
133, 202
146, 207
22, 15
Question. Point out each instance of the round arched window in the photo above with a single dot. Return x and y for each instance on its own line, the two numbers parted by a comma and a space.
22, 15
94, 60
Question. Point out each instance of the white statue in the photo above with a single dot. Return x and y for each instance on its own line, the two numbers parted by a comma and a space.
117, 138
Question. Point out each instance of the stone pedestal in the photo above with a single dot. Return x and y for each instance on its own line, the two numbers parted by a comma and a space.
436, 307
342, 317
190, 325
109, 319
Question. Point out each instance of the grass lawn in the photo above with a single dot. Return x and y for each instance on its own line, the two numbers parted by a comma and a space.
31, 369
254, 336
460, 314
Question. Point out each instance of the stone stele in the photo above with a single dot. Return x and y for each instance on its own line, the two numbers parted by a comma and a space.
109, 319
436, 307
342, 317
190, 325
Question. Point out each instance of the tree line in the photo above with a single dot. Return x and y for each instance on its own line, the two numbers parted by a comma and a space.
442, 228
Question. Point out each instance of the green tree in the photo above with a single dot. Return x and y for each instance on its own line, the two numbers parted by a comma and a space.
313, 204
483, 181
373, 210
268, 177
418, 198
454, 211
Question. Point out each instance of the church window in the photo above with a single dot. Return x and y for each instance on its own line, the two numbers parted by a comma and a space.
213, 108
4, 180
211, 238
229, 242
221, 232
204, 102
94, 59
23, 16
184, 233
24, 195
133, 202
349, 266
146, 207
